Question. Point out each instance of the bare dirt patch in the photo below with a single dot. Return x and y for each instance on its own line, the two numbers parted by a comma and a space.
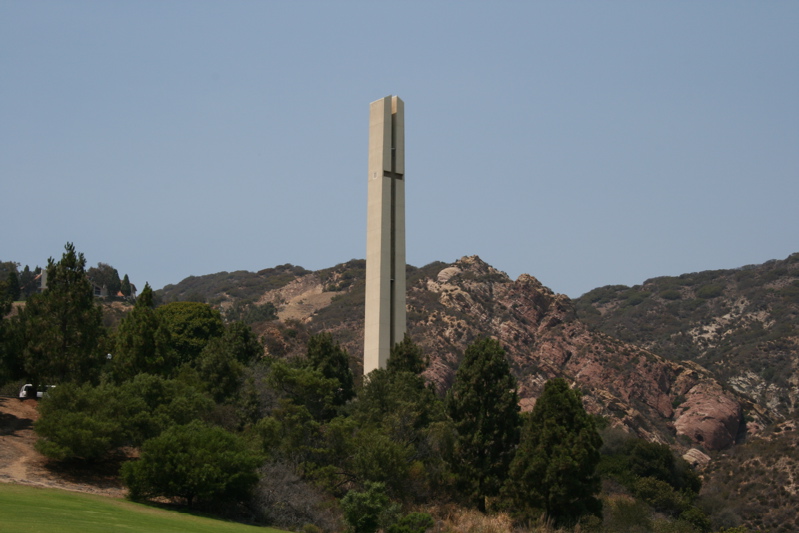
21, 463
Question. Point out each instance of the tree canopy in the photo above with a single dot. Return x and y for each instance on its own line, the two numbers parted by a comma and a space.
191, 325
106, 277
554, 469
61, 326
329, 358
406, 356
484, 408
142, 344
193, 462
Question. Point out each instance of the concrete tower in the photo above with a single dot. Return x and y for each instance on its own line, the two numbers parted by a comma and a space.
385, 233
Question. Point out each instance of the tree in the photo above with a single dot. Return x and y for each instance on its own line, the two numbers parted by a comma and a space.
484, 409
242, 342
193, 462
363, 510
554, 470
652, 459
74, 423
5, 345
62, 326
6, 300
27, 280
125, 287
406, 356
105, 276
191, 325
142, 344
86, 422
333, 362
305, 386
219, 370
12, 288
399, 398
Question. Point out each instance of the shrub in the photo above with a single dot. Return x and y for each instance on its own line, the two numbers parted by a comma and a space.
707, 292
670, 294
364, 511
697, 517
660, 495
194, 462
74, 423
412, 523
283, 499
627, 515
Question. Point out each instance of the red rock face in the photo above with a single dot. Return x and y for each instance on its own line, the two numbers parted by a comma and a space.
708, 416
538, 328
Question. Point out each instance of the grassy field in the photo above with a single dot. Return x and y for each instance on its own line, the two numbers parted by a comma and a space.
35, 510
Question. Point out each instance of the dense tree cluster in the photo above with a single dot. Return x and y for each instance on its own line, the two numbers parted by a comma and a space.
288, 439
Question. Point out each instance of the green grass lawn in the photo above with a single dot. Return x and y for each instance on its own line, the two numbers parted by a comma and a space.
34, 510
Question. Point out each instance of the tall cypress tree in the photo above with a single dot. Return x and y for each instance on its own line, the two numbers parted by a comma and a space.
62, 325
124, 286
484, 408
554, 470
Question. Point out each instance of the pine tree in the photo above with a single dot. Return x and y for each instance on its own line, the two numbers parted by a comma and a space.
406, 356
484, 408
554, 470
124, 287
191, 326
62, 326
142, 343
332, 361
13, 289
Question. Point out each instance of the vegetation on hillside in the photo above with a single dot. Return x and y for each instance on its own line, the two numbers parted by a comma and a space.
756, 483
229, 410
742, 324
240, 285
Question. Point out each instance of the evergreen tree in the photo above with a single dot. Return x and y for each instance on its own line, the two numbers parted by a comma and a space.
62, 326
125, 286
484, 408
105, 276
6, 349
397, 418
195, 462
12, 288
406, 356
242, 342
554, 470
364, 510
191, 325
28, 282
333, 362
142, 343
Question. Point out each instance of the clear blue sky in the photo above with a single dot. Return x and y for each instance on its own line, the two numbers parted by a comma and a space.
584, 143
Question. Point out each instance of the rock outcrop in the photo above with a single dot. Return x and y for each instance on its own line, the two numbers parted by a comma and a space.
632, 386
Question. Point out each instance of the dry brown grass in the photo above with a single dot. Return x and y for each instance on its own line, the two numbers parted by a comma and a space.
454, 519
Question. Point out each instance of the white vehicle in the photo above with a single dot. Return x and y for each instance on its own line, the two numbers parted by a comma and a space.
27, 391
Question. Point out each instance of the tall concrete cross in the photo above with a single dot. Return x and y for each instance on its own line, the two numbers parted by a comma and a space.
385, 233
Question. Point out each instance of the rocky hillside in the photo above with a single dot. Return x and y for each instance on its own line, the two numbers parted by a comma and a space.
450, 305
741, 324
756, 484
